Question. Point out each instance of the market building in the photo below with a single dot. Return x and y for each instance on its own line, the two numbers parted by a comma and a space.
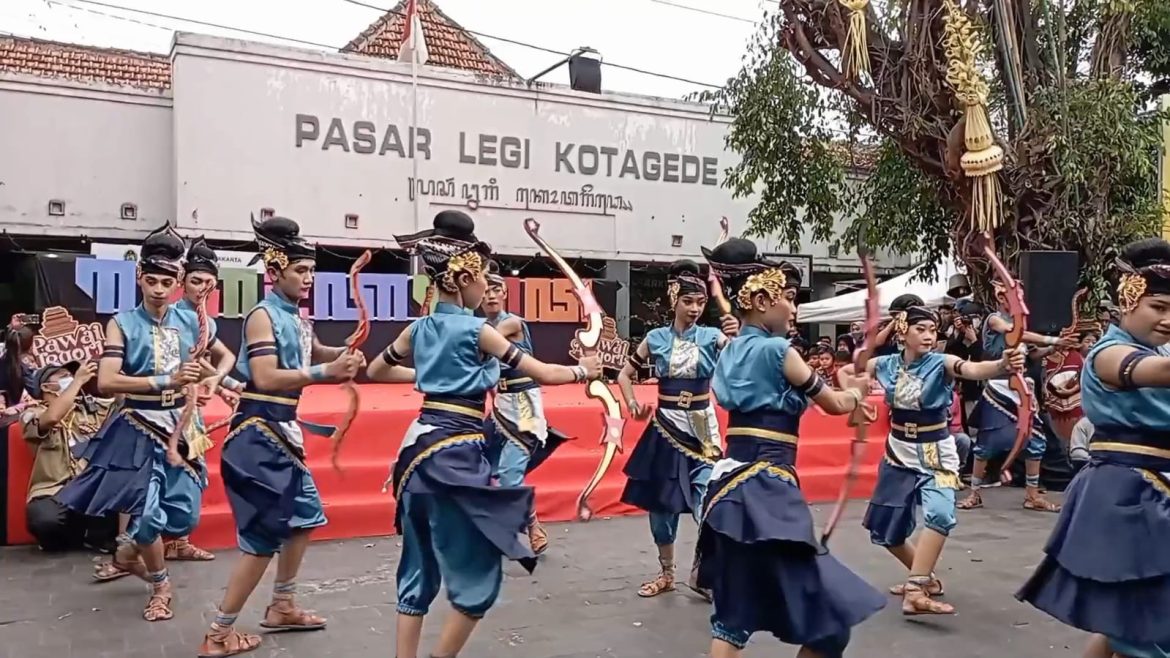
101, 146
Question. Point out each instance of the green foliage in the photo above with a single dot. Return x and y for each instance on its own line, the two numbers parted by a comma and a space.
784, 144
1151, 39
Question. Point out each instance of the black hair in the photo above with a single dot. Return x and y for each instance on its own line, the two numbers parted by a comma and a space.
1142, 253
684, 266
903, 302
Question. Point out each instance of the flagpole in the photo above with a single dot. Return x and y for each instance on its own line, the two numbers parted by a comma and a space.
414, 133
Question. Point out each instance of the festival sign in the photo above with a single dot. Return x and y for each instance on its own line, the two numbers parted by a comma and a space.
613, 350
111, 284
62, 339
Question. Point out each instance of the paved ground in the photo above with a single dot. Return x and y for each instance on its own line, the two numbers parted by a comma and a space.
581, 603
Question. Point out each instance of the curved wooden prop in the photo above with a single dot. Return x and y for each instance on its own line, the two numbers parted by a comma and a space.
188, 416
859, 419
353, 344
595, 389
1071, 329
713, 281
1018, 309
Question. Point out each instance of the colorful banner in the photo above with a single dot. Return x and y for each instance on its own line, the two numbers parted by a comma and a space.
111, 284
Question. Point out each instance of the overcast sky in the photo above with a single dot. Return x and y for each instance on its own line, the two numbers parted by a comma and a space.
656, 35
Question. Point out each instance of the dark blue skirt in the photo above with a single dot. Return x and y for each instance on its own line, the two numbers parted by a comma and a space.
1107, 569
498, 430
450, 461
765, 567
659, 470
997, 415
121, 457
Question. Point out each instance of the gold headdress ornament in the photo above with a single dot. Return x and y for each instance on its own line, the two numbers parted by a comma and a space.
274, 258
1137, 282
1130, 289
855, 51
471, 262
771, 282
684, 284
983, 159
901, 325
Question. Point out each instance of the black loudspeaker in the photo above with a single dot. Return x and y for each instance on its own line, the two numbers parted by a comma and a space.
1050, 282
585, 74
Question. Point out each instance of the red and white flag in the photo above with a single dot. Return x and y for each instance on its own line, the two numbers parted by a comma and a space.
414, 43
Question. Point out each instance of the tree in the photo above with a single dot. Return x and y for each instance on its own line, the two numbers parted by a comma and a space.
1070, 84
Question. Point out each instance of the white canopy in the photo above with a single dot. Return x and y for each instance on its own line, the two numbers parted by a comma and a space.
851, 306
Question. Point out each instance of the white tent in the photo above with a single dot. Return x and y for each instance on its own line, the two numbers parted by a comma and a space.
851, 305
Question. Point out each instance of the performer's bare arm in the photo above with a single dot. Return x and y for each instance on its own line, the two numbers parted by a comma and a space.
386, 368
511, 328
266, 371
111, 380
1145, 370
833, 401
1001, 325
492, 343
324, 353
1012, 361
626, 377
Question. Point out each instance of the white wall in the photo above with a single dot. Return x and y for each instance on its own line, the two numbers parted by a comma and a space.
93, 147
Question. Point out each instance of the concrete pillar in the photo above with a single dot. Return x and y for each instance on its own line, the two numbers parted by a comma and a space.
619, 270
823, 288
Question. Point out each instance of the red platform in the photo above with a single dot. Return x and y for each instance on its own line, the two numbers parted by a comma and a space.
356, 506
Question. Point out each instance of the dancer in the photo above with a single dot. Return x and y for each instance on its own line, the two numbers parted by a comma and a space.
760, 554
997, 411
273, 498
455, 525
1105, 570
517, 433
145, 360
669, 468
921, 468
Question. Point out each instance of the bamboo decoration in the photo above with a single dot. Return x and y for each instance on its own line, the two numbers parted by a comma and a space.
984, 158
855, 53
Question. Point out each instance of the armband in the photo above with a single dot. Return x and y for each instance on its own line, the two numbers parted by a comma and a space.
160, 383
959, 367
263, 348
813, 386
637, 360
114, 352
512, 356
391, 356
1128, 365
317, 373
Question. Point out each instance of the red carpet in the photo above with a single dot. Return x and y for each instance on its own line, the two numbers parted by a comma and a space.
357, 508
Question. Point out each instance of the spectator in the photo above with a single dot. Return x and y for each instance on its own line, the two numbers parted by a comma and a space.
16, 364
840, 359
1078, 446
846, 343
962, 340
58, 428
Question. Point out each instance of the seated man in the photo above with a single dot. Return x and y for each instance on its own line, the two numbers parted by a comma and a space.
58, 428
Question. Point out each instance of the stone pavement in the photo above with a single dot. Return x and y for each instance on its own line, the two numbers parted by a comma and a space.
581, 603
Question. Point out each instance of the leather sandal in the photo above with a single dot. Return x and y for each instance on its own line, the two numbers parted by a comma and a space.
158, 607
935, 588
917, 602
182, 550
974, 501
661, 584
537, 537
290, 618
1040, 504
227, 643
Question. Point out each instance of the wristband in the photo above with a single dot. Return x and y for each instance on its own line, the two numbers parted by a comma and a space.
317, 373
230, 382
578, 374
1051, 340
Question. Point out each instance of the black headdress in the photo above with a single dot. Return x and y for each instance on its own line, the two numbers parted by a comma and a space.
685, 278
1145, 270
908, 310
281, 243
493, 274
448, 249
162, 253
744, 272
202, 258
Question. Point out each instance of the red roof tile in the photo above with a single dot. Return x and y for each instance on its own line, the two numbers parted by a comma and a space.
84, 63
448, 44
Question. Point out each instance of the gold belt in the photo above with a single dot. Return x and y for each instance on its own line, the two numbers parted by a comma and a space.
274, 399
1111, 446
911, 430
166, 398
455, 408
761, 433
685, 399
505, 383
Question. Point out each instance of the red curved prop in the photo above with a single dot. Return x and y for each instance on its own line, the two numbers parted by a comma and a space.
596, 389
197, 350
1018, 309
860, 419
353, 344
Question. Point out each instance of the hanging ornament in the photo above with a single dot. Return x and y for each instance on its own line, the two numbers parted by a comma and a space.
855, 52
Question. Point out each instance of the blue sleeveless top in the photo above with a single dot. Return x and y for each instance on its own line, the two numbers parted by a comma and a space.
511, 379
994, 342
689, 355
156, 346
293, 334
749, 375
447, 359
919, 396
1138, 416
